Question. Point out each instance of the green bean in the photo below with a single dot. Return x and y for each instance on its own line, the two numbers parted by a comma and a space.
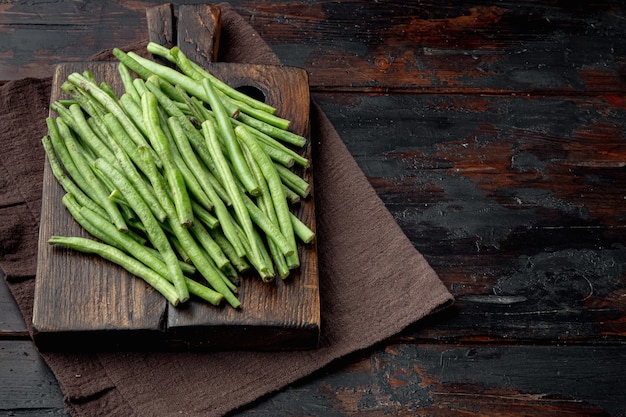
272, 142
299, 185
238, 261
140, 86
82, 98
112, 106
104, 86
124, 161
241, 211
153, 229
160, 143
263, 116
120, 258
174, 77
170, 75
133, 109
210, 246
194, 186
304, 233
260, 262
94, 186
202, 263
230, 141
270, 228
195, 137
291, 195
230, 284
188, 154
265, 202
120, 136
88, 74
66, 182
141, 70
168, 54
276, 190
184, 237
204, 216
267, 270
273, 131
127, 81
160, 50
132, 64
65, 160
103, 230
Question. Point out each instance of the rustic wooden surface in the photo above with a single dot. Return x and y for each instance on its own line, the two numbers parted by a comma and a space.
110, 309
495, 134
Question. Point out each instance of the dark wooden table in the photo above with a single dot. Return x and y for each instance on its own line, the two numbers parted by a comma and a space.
495, 134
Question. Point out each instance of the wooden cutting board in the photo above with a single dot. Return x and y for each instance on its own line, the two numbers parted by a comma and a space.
85, 303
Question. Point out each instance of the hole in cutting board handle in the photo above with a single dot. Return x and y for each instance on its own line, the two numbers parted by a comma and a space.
252, 91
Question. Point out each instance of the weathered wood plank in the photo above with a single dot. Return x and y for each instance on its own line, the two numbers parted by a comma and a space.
409, 379
516, 202
199, 27
446, 46
27, 386
401, 379
12, 323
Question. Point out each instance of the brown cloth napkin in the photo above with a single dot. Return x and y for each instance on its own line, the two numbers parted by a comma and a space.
373, 281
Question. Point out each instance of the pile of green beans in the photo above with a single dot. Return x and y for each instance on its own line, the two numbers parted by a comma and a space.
182, 180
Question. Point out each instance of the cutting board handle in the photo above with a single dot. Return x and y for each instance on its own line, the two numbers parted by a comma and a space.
195, 28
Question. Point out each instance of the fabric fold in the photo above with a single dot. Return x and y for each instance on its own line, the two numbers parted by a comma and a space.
373, 283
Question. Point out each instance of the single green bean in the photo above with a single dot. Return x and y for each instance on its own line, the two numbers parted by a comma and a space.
293, 181
106, 87
304, 232
131, 64
227, 281
291, 195
204, 216
127, 81
134, 111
